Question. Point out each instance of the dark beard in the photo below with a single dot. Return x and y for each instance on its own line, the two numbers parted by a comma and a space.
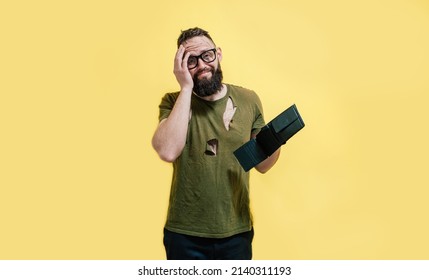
206, 87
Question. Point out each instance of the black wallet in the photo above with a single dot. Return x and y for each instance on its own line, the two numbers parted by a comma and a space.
270, 138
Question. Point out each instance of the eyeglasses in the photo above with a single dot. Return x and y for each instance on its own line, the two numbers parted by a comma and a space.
207, 56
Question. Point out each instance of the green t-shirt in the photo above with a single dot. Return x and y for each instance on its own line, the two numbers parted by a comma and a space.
210, 191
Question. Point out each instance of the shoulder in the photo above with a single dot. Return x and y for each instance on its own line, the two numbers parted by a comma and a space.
240, 89
169, 99
171, 96
238, 92
244, 95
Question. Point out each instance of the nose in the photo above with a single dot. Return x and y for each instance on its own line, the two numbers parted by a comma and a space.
201, 63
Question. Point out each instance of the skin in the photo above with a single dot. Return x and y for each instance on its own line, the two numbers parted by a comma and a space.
170, 136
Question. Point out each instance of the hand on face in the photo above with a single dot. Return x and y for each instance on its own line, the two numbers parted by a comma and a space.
181, 71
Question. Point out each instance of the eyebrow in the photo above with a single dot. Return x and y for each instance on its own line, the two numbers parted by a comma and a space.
203, 52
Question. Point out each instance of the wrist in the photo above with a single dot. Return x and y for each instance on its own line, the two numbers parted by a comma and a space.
186, 89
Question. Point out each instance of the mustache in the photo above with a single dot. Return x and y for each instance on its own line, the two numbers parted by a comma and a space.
204, 70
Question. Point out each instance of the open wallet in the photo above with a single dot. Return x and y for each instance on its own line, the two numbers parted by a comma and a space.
270, 138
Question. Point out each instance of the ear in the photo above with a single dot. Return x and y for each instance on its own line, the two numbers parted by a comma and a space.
219, 54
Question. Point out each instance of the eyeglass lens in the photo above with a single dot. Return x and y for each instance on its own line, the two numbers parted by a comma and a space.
207, 56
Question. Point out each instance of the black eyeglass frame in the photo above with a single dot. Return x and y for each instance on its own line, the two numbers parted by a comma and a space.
197, 57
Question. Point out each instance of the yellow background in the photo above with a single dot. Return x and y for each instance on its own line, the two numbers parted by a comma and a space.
80, 85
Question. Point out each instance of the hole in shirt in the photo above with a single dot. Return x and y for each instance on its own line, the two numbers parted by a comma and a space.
211, 147
229, 113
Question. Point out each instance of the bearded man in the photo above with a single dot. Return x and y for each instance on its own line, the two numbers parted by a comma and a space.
199, 128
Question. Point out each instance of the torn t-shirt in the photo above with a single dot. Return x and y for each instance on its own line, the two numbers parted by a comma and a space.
210, 191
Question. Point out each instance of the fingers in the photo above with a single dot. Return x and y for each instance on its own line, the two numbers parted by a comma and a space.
181, 59
179, 56
181, 70
185, 60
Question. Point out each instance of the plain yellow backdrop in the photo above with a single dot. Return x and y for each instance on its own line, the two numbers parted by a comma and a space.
80, 85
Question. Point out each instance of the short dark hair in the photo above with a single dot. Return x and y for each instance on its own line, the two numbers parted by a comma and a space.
191, 33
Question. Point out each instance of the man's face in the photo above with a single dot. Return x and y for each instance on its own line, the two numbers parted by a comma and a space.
207, 76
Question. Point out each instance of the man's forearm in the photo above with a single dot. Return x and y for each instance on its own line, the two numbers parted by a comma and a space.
269, 162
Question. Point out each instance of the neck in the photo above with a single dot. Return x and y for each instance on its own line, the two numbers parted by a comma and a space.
216, 96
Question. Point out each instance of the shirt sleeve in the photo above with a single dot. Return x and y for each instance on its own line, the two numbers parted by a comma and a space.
167, 103
259, 121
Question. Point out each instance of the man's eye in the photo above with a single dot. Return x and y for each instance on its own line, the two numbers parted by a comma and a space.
208, 56
192, 60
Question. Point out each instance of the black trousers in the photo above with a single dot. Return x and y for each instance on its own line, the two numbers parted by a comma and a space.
186, 247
